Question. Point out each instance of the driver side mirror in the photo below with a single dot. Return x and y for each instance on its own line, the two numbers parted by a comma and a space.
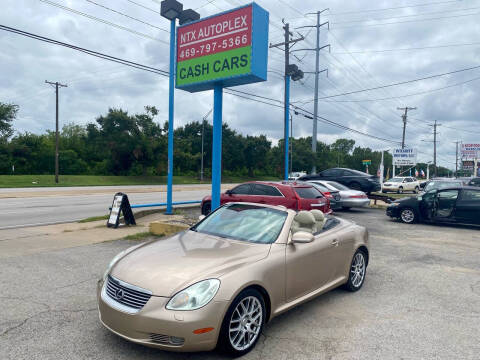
302, 237
228, 192
404, 181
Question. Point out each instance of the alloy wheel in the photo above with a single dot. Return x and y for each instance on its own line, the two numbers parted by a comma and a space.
358, 269
245, 323
407, 216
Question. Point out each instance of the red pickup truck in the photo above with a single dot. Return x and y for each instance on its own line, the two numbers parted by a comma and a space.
295, 195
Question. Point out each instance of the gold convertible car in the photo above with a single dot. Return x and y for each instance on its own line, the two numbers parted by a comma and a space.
218, 283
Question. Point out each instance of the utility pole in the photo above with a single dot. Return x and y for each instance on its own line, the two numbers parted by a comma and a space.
57, 85
291, 71
317, 73
404, 118
456, 157
435, 133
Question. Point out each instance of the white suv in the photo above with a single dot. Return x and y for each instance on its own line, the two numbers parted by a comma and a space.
401, 184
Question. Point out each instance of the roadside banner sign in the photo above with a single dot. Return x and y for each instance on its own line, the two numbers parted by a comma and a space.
120, 207
404, 157
230, 47
470, 151
366, 162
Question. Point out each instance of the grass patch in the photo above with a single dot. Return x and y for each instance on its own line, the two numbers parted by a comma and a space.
13, 181
141, 236
94, 218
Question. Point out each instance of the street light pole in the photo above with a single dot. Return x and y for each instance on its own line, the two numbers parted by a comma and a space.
171, 90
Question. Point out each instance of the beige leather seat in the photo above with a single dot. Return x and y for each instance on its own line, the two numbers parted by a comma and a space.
304, 221
320, 219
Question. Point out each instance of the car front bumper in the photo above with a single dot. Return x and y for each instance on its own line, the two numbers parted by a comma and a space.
155, 326
393, 211
355, 202
390, 188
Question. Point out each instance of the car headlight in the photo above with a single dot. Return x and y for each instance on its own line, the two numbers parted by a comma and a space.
116, 258
195, 296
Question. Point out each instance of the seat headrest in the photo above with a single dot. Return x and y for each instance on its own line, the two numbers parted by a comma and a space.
304, 218
318, 215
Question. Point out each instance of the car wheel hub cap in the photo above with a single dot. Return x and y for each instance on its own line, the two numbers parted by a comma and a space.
245, 323
407, 215
358, 270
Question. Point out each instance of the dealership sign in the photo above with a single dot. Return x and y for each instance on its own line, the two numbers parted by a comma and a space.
230, 48
404, 157
470, 151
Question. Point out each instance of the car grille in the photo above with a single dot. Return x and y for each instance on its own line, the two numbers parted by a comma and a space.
126, 295
167, 340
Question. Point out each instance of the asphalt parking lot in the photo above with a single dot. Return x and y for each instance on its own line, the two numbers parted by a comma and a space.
421, 299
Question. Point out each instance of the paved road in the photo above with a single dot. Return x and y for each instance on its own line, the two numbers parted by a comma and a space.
65, 206
421, 300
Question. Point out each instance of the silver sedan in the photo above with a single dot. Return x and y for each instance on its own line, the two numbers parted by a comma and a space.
348, 198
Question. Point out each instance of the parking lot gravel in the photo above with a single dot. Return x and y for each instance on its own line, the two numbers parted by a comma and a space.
421, 299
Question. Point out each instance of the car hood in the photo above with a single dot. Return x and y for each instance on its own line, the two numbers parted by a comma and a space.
169, 265
406, 200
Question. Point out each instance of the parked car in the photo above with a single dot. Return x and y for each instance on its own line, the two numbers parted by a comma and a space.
353, 179
401, 184
333, 195
437, 184
456, 204
295, 175
348, 198
218, 283
293, 195
474, 182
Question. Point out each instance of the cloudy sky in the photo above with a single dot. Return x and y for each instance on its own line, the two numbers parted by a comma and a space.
372, 44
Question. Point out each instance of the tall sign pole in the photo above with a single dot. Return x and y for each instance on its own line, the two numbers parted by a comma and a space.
171, 105
223, 50
56, 85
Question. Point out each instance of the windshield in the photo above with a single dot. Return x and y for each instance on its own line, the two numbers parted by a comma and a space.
441, 185
338, 186
396, 179
244, 222
320, 187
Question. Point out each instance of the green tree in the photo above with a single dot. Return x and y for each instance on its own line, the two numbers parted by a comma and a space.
8, 112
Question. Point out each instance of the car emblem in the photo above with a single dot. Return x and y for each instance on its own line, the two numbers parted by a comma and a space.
119, 294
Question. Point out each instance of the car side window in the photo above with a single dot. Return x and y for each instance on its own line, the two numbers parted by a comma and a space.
448, 194
347, 173
471, 195
265, 190
409, 180
243, 189
329, 224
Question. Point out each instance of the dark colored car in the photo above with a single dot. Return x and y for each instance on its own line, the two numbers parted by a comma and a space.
353, 179
332, 195
474, 182
457, 204
437, 184
291, 194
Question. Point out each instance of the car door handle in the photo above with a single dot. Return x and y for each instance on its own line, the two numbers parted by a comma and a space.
335, 242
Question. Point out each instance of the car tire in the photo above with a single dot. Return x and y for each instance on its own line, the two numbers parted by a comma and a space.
400, 190
206, 208
357, 271
417, 189
355, 186
232, 342
408, 216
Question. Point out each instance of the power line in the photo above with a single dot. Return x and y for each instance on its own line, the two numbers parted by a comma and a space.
401, 82
143, 6
302, 111
404, 16
127, 16
86, 51
102, 21
406, 49
404, 22
402, 96
396, 8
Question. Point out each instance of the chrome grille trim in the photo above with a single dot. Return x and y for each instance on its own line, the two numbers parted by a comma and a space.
167, 340
133, 300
